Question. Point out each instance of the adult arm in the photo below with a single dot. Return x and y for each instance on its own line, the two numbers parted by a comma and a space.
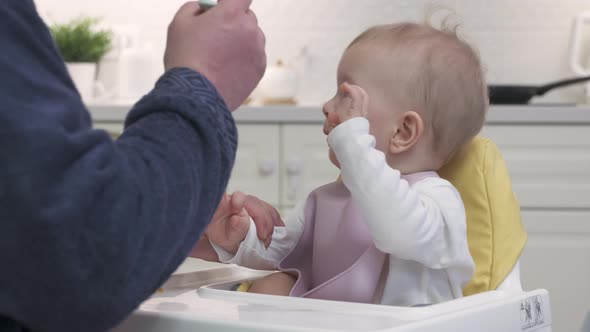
89, 227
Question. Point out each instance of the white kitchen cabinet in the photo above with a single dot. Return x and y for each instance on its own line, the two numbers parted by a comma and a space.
550, 170
283, 155
305, 162
256, 169
557, 258
549, 164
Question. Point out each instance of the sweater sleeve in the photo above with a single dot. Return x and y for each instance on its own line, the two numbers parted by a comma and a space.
423, 223
90, 227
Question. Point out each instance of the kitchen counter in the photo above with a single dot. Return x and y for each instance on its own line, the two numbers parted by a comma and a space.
194, 264
282, 152
510, 115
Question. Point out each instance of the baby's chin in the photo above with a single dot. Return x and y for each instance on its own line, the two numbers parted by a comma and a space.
333, 158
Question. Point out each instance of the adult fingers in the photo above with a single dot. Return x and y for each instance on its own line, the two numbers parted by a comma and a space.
273, 214
261, 216
222, 208
252, 16
190, 8
262, 44
237, 202
235, 5
277, 221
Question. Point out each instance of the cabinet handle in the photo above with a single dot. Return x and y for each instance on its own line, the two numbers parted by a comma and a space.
294, 168
267, 167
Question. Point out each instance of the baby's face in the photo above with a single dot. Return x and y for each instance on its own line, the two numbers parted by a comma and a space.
359, 66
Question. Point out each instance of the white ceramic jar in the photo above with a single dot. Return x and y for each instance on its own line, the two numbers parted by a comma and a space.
279, 85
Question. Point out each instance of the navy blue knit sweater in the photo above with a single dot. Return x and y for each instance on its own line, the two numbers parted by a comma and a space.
90, 227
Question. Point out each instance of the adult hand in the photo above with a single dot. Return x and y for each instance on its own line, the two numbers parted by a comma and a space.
224, 43
264, 215
231, 221
229, 224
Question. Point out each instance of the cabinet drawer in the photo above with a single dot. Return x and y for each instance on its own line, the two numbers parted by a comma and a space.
557, 258
549, 165
256, 170
306, 165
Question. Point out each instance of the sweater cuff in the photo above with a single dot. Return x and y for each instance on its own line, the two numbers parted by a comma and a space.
189, 94
184, 87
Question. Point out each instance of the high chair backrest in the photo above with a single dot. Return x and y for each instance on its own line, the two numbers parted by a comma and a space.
495, 233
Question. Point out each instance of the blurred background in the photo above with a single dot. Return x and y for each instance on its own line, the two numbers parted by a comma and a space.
282, 152
525, 41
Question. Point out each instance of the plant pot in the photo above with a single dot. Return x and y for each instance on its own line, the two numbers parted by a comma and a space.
83, 74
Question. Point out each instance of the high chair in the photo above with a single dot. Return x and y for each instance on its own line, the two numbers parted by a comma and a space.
494, 300
495, 233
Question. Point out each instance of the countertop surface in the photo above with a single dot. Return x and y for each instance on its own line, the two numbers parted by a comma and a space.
195, 264
510, 114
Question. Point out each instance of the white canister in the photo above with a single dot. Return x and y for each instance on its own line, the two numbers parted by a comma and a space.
279, 85
579, 64
129, 71
83, 74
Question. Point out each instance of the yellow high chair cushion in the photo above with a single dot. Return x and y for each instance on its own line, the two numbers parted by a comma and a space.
495, 233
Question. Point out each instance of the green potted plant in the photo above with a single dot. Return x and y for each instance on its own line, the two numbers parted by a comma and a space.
82, 45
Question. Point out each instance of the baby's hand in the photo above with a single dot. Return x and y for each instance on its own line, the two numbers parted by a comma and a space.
355, 102
230, 223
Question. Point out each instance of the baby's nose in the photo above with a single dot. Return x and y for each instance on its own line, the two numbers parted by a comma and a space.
327, 128
325, 109
330, 119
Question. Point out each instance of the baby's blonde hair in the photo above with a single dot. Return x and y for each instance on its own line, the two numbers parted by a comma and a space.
439, 75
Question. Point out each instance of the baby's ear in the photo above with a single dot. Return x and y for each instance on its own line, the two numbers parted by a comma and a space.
409, 130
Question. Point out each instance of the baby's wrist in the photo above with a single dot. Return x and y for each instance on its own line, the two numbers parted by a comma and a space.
234, 248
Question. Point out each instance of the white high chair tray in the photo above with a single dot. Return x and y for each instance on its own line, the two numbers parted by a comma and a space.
201, 301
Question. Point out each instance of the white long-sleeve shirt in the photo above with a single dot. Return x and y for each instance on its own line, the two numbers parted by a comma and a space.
421, 226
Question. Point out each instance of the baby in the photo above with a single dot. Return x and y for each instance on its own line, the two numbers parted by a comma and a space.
390, 231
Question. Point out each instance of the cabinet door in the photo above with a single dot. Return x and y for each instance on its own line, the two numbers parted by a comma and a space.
305, 164
557, 258
549, 165
255, 171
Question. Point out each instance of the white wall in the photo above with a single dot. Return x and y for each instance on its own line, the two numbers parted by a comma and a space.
521, 41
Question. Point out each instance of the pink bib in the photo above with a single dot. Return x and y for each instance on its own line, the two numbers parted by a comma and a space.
335, 257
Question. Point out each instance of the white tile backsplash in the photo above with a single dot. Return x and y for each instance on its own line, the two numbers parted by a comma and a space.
521, 41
